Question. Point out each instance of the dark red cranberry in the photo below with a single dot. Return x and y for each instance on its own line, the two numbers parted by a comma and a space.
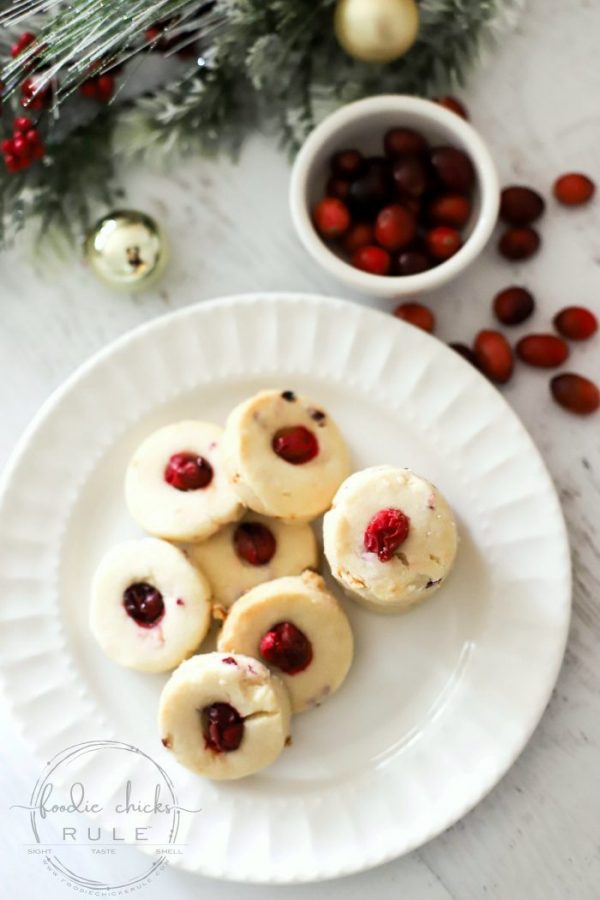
359, 235
513, 305
574, 189
494, 356
188, 472
454, 105
404, 142
254, 543
287, 648
395, 227
223, 727
338, 187
347, 164
575, 393
443, 242
416, 314
576, 323
387, 530
296, 445
372, 259
544, 351
466, 352
450, 209
411, 262
373, 189
520, 205
453, 168
410, 176
519, 243
331, 217
144, 603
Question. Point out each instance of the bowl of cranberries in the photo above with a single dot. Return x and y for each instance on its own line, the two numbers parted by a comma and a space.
394, 195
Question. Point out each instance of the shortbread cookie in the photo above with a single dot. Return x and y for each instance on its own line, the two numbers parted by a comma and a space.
285, 455
224, 716
390, 538
150, 606
176, 486
299, 629
246, 553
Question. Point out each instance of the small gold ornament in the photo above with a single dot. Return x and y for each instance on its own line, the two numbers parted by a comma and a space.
376, 31
127, 250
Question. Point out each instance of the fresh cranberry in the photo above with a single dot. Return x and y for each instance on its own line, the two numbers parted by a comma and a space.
453, 168
574, 189
188, 472
373, 189
404, 142
454, 105
411, 262
347, 164
576, 323
223, 727
575, 393
410, 176
519, 243
332, 217
545, 351
443, 242
520, 205
372, 259
387, 530
144, 603
287, 648
254, 543
33, 95
494, 356
359, 235
395, 227
338, 188
513, 305
416, 314
466, 352
296, 445
450, 209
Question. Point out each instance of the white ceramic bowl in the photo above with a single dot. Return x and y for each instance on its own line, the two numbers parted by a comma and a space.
363, 125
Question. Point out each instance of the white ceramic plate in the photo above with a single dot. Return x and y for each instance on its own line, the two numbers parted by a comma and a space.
439, 701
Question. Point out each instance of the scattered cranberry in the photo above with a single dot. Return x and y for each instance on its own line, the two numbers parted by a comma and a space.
410, 176
144, 603
25, 40
296, 445
450, 209
34, 95
347, 164
372, 259
411, 262
453, 169
188, 472
387, 530
545, 351
287, 648
223, 727
574, 189
575, 393
99, 87
454, 105
494, 356
520, 205
373, 189
443, 242
519, 243
254, 543
513, 305
576, 323
331, 217
466, 353
416, 314
359, 235
404, 142
395, 227
338, 187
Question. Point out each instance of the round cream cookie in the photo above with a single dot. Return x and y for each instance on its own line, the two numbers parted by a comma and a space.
252, 551
189, 454
417, 567
298, 628
267, 481
224, 716
150, 606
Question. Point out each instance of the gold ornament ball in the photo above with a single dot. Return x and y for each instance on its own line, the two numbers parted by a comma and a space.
127, 250
376, 31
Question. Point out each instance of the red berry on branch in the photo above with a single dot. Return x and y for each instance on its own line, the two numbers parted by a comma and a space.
35, 95
12, 163
22, 123
7, 146
105, 88
576, 323
372, 259
24, 41
574, 189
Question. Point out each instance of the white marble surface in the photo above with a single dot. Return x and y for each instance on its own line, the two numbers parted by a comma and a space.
536, 836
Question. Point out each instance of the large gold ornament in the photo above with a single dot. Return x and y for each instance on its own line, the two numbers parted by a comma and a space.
376, 31
127, 250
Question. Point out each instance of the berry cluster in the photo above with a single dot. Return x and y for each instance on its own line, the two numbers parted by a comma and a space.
401, 213
98, 87
24, 147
